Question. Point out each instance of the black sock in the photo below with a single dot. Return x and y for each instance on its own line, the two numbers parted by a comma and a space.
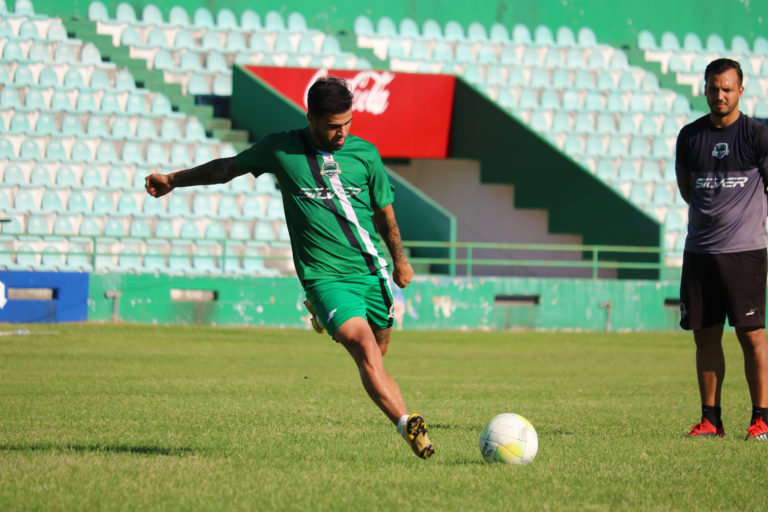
760, 412
712, 413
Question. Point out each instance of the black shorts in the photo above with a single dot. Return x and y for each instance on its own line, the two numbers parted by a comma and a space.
714, 286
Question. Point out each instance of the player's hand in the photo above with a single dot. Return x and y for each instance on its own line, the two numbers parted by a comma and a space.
157, 185
403, 274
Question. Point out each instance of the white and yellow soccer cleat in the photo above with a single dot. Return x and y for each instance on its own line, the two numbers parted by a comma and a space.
415, 434
319, 329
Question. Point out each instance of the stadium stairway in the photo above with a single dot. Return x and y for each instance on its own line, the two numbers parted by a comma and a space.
217, 127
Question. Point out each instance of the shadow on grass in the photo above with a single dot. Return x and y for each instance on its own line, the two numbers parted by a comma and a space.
96, 448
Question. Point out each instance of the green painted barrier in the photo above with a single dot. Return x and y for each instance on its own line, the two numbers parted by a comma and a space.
433, 303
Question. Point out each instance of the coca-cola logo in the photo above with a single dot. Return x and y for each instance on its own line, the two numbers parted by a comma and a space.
369, 90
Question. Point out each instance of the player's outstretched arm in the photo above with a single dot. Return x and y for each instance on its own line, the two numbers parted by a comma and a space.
216, 171
390, 233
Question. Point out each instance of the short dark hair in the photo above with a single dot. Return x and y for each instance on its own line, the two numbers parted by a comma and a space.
720, 66
329, 95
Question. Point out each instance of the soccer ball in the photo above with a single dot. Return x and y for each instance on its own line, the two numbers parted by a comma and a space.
509, 438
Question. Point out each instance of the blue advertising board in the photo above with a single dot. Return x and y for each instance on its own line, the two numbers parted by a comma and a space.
62, 297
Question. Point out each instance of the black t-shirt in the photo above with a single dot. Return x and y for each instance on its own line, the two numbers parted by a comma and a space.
728, 204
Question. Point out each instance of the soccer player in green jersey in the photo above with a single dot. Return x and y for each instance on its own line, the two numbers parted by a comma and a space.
336, 196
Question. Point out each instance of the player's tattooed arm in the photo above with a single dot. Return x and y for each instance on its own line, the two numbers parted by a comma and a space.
216, 171
390, 233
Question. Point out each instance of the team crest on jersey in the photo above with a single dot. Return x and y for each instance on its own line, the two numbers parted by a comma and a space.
721, 150
330, 169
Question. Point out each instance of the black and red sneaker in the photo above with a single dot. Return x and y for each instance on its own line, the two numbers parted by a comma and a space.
706, 429
757, 430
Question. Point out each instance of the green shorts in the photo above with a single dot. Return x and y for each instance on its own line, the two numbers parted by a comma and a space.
337, 300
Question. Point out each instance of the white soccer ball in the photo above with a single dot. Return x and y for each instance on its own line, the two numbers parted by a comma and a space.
509, 438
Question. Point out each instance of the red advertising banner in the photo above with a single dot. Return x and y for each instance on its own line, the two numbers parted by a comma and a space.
405, 115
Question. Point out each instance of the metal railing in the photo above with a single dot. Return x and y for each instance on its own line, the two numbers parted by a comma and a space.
455, 254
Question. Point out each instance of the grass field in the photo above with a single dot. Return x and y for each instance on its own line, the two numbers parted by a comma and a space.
98, 417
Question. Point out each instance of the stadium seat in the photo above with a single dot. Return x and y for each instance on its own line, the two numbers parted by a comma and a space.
97, 11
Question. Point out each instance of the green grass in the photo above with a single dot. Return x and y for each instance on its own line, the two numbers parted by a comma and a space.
97, 417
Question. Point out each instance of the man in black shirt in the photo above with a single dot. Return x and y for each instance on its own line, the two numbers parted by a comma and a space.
722, 172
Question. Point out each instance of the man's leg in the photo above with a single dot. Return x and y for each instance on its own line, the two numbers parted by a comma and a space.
710, 363
755, 348
358, 338
382, 338
367, 346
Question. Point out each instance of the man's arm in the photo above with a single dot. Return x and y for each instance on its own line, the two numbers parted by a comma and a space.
684, 183
387, 227
216, 171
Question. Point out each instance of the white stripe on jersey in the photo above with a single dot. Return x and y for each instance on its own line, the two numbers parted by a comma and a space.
349, 211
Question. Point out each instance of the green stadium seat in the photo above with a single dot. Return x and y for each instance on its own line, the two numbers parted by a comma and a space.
163, 228
23, 76
117, 179
129, 36
13, 174
542, 35
648, 126
102, 204
645, 40
54, 151
178, 16
227, 208
586, 37
156, 39
29, 150
584, 80
89, 227
498, 33
431, 29
236, 42
363, 26
739, 45
564, 37
91, 178
64, 227
151, 15
19, 124
37, 226
28, 30
139, 228
575, 59
63, 54
6, 150
179, 156
692, 42
521, 34
669, 41
97, 11
125, 13
153, 259
106, 152
203, 17
124, 80
26, 258
189, 231
202, 154
214, 231
45, 125
12, 51
179, 260
583, 123
296, 22
65, 177
77, 203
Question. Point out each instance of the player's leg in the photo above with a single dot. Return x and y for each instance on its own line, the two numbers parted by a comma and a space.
703, 312
710, 363
746, 290
358, 338
382, 338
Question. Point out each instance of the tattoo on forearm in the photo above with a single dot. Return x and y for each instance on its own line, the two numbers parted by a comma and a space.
215, 171
391, 235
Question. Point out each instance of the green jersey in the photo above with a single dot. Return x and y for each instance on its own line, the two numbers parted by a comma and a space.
329, 200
